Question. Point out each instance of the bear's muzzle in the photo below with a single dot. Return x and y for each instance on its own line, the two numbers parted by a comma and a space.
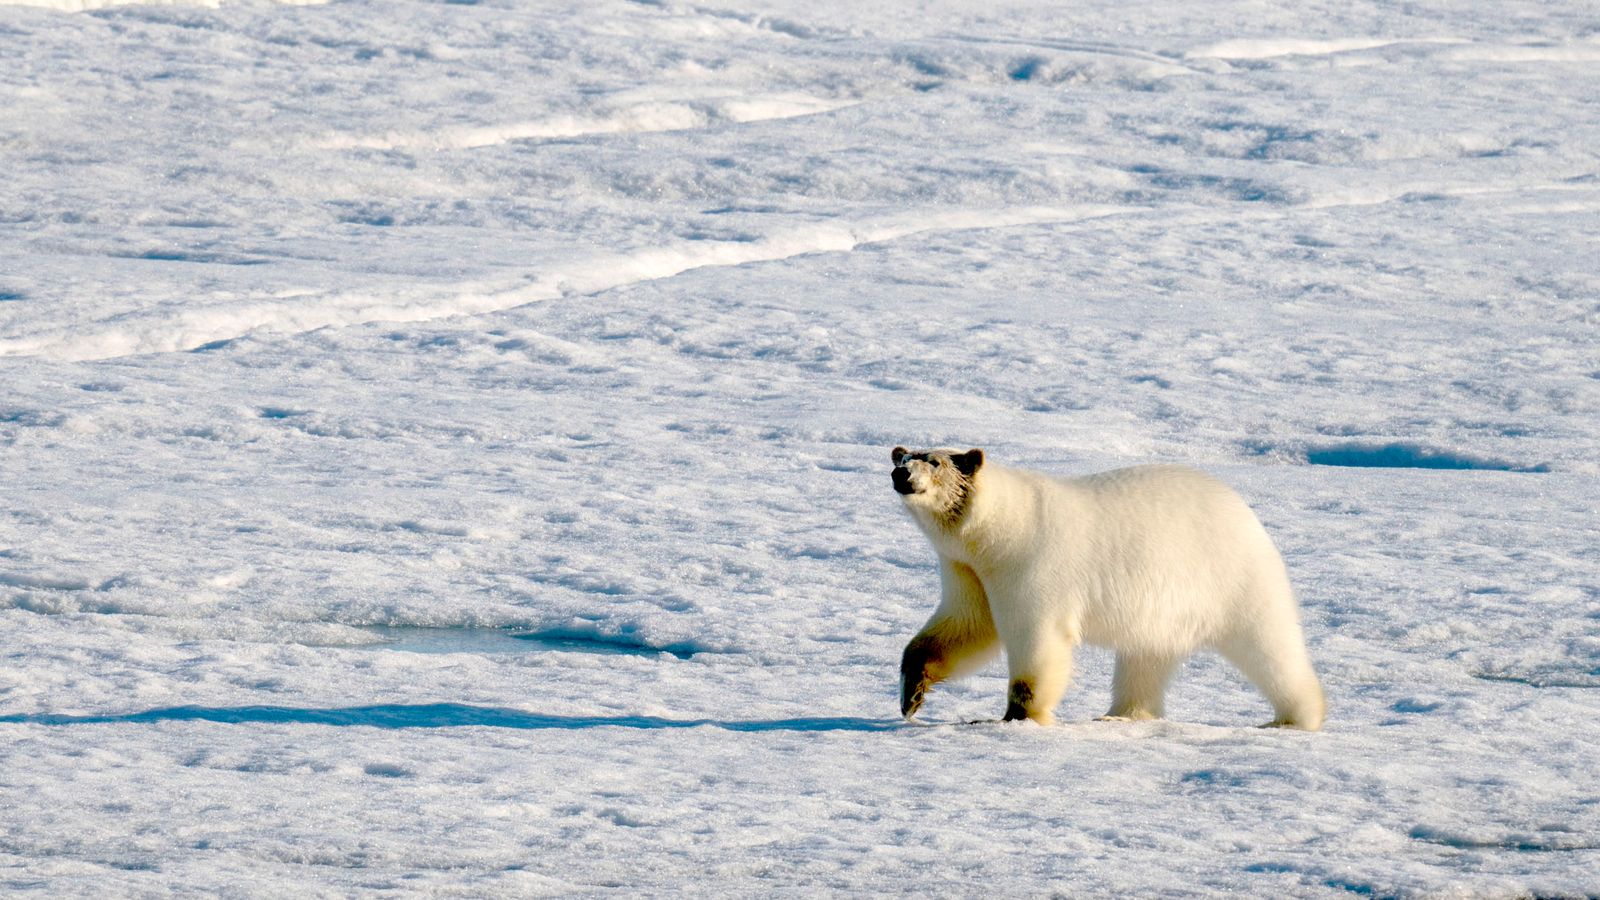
902, 481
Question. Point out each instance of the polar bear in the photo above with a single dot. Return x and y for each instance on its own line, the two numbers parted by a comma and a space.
1154, 562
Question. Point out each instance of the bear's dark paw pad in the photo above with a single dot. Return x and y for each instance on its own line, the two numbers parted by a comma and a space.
1018, 701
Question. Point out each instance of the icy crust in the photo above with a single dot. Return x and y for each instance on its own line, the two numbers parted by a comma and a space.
400, 476
636, 138
446, 445
700, 806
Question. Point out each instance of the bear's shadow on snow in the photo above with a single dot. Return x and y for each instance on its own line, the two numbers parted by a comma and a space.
443, 715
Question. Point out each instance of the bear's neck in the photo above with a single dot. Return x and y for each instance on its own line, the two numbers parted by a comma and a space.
975, 532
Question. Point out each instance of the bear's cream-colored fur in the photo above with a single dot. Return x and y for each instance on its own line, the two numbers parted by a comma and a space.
1154, 562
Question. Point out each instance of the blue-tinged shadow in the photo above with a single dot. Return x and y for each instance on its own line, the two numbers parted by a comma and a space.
417, 639
441, 715
1409, 456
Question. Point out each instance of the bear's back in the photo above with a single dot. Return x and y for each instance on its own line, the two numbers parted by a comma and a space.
1158, 553
1181, 517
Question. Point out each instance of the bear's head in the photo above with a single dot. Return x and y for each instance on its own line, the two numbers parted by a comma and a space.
936, 482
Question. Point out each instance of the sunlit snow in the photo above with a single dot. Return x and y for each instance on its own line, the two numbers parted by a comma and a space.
446, 445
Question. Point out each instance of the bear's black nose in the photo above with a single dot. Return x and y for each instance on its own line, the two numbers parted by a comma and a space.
902, 480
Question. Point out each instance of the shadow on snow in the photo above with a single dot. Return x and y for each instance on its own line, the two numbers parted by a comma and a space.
1409, 456
441, 715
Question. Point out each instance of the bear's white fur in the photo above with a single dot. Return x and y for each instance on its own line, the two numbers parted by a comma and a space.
1154, 562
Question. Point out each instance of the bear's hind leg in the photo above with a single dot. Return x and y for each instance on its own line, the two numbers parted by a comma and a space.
1139, 686
1276, 662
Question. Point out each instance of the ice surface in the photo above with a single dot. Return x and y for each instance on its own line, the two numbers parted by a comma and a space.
344, 346
409, 639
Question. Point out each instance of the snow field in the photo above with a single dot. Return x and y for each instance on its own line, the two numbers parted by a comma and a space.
597, 322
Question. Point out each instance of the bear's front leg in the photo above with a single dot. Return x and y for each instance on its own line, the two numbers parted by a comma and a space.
1018, 699
944, 648
958, 638
915, 679
1040, 669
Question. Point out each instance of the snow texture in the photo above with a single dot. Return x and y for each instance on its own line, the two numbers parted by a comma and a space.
446, 445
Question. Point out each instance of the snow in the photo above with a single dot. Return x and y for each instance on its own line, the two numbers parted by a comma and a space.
446, 445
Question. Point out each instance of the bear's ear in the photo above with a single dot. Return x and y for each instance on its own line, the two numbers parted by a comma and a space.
969, 462
898, 454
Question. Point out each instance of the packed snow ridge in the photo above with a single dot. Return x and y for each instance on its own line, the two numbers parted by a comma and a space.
638, 118
181, 329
